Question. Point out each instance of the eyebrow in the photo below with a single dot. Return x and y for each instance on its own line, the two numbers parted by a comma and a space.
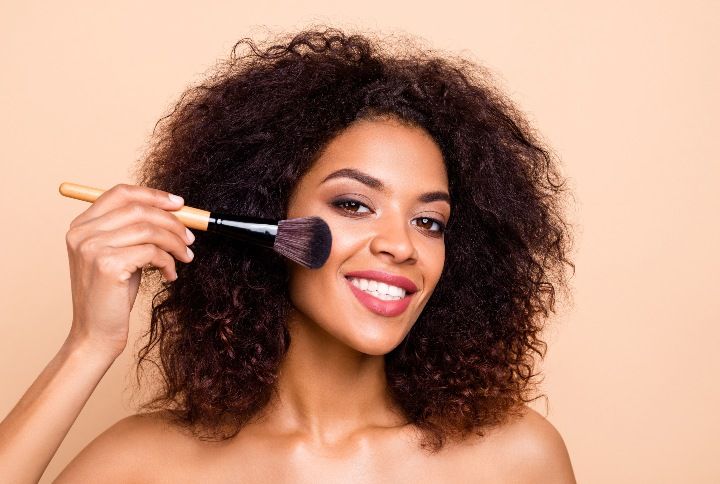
378, 185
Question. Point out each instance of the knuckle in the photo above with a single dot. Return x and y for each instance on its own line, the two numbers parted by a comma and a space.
151, 250
136, 209
88, 247
146, 229
106, 263
71, 237
122, 189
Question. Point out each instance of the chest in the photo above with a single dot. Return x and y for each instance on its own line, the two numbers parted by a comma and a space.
378, 460
324, 471
304, 466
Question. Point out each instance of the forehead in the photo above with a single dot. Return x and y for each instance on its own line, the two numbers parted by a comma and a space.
401, 156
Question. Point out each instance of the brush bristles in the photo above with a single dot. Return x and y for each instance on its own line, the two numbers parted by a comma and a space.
306, 241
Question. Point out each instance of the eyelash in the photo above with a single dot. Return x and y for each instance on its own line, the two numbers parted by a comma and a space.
340, 202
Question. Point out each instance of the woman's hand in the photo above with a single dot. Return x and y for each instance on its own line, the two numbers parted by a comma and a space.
108, 244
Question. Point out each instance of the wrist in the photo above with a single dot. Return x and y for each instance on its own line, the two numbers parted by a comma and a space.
88, 348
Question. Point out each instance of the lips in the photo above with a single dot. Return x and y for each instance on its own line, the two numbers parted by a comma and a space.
378, 306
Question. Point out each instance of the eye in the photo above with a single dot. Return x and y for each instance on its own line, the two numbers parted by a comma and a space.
350, 205
433, 227
428, 223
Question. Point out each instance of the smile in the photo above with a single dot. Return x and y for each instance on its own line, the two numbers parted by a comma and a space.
380, 290
380, 298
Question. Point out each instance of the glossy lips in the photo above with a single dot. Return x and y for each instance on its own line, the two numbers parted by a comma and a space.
378, 306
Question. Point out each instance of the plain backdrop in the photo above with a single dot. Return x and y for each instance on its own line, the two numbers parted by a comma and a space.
626, 93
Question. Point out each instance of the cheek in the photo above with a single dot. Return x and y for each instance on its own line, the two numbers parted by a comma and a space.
348, 239
313, 291
433, 262
306, 294
308, 286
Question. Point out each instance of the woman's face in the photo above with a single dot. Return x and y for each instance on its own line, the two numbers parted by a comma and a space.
383, 190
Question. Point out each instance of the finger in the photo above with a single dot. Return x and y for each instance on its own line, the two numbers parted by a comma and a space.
143, 233
125, 261
137, 212
123, 194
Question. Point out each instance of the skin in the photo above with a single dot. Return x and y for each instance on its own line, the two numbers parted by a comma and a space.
332, 420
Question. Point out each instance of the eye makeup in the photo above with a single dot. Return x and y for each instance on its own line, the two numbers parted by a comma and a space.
340, 203
352, 198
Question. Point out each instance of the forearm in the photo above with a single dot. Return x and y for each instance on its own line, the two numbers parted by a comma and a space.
34, 429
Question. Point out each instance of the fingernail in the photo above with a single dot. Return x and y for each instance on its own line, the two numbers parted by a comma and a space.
190, 252
175, 198
190, 236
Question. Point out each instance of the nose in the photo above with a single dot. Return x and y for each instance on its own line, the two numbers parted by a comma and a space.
393, 239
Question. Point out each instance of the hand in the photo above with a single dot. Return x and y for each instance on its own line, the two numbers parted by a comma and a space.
108, 244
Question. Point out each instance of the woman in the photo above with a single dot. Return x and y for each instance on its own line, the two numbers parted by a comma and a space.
409, 356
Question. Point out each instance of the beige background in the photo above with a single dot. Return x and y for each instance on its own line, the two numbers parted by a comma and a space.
625, 92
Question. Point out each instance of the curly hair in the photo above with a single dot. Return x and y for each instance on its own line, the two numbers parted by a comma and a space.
239, 142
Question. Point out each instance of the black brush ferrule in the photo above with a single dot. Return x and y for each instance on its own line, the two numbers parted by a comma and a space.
258, 231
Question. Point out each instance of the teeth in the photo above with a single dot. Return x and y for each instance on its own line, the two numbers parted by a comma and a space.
384, 297
377, 289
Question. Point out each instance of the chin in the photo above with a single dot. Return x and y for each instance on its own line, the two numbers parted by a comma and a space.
372, 339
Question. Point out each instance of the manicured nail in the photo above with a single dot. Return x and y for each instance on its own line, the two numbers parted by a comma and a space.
175, 198
190, 252
190, 236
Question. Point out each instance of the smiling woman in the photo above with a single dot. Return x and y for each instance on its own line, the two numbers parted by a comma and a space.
410, 355
382, 222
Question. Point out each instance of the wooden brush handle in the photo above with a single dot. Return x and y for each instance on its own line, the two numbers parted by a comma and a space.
193, 218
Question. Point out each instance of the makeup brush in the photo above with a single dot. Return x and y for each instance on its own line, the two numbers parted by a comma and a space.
306, 241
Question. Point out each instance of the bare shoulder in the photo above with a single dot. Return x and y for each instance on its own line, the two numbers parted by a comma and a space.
533, 450
527, 448
127, 450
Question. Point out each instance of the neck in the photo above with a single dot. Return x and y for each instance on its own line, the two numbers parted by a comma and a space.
327, 390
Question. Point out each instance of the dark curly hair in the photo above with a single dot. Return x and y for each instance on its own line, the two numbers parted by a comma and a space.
240, 141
